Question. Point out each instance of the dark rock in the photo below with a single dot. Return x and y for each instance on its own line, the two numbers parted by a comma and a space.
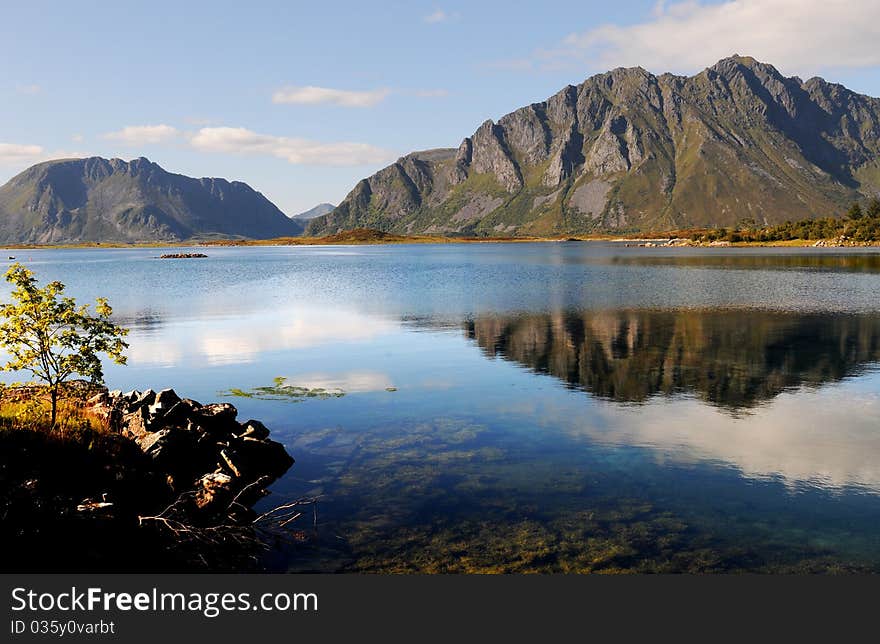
183, 256
164, 401
255, 429
178, 414
214, 489
99, 399
167, 398
217, 415
192, 404
201, 450
136, 424
144, 400
149, 440
233, 461
271, 456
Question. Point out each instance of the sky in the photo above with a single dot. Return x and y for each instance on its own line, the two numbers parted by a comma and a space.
303, 99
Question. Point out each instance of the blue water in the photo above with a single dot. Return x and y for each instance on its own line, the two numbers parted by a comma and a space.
518, 407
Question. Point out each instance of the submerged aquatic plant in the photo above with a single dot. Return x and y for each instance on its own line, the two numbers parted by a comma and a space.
281, 390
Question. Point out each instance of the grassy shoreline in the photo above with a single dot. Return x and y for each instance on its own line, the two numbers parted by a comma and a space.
370, 237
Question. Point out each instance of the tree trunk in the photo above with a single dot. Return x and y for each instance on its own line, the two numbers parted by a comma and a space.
54, 405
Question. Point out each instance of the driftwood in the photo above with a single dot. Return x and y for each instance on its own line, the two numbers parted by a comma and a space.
229, 540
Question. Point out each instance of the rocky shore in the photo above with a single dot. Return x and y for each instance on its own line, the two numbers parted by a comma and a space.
167, 483
220, 465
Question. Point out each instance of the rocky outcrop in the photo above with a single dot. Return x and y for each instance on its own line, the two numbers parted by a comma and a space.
142, 482
111, 200
491, 156
183, 256
217, 466
737, 141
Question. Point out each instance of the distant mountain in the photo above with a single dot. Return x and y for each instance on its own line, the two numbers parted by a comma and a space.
628, 151
317, 211
96, 199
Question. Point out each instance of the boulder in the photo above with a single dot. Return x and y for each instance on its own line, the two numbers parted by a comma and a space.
136, 424
165, 400
145, 399
214, 489
200, 450
98, 399
255, 429
180, 413
217, 415
270, 457
149, 440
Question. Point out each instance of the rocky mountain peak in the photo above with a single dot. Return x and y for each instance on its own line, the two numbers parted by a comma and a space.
627, 150
97, 199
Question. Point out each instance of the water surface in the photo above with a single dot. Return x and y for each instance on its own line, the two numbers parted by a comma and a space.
520, 407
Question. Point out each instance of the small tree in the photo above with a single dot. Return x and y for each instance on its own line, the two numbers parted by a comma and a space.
874, 207
53, 338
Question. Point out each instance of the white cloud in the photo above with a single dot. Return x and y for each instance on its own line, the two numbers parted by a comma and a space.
18, 155
29, 90
238, 140
77, 138
440, 16
144, 134
311, 95
799, 37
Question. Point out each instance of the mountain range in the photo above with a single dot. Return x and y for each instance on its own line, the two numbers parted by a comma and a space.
317, 211
96, 199
628, 151
624, 151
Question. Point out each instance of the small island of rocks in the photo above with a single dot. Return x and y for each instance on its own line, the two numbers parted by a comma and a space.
183, 256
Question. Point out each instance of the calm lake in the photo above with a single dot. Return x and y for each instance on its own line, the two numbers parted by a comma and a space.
531, 407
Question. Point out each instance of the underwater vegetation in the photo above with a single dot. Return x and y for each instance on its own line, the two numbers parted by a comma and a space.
453, 496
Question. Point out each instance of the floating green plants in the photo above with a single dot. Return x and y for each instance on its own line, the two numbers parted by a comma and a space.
284, 391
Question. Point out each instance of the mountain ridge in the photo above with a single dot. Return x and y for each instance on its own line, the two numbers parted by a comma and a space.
629, 151
315, 211
97, 199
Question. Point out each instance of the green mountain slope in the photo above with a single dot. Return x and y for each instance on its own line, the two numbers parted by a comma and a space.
627, 151
95, 199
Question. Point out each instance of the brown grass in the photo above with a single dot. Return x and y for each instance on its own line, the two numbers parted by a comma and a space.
28, 407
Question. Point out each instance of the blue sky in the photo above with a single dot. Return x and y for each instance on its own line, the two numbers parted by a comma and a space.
301, 100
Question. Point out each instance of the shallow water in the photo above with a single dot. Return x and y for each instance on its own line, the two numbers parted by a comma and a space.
553, 407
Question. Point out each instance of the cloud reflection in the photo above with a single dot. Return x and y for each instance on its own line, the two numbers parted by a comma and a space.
244, 338
350, 382
826, 438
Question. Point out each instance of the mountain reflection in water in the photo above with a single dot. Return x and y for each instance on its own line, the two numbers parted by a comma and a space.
733, 359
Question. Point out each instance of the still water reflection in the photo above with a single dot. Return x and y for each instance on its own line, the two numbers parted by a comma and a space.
576, 407
732, 359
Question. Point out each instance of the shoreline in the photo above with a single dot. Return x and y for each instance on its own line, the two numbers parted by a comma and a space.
365, 237
658, 243
167, 482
